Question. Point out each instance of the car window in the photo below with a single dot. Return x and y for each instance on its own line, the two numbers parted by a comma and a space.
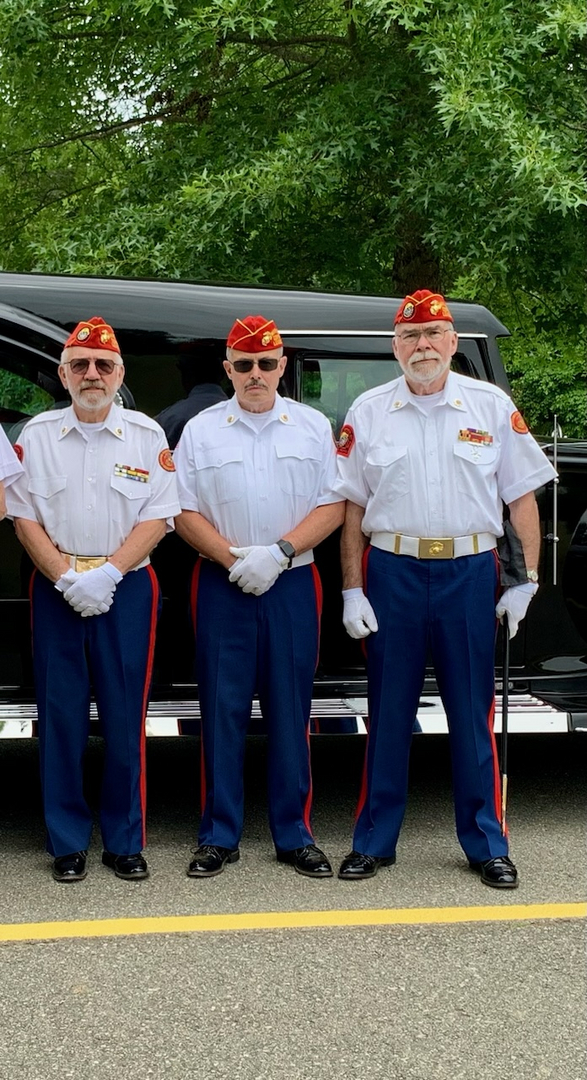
21, 397
331, 384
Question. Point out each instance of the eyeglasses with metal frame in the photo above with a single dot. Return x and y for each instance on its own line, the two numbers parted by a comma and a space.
431, 333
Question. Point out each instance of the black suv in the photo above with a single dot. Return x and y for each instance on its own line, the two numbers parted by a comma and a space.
338, 345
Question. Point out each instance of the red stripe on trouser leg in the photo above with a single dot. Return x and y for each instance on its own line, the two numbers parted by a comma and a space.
148, 680
496, 770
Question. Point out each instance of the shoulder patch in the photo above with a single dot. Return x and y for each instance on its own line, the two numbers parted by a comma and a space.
518, 423
18, 450
346, 441
166, 460
140, 419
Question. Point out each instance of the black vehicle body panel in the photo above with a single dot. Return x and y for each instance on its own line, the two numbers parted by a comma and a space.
334, 338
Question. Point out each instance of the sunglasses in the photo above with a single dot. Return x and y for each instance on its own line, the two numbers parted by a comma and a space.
269, 364
102, 366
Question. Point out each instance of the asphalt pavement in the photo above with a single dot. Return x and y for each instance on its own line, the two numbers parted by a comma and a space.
454, 1001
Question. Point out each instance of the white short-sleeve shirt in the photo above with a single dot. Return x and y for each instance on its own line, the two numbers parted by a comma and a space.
89, 488
10, 466
255, 477
439, 471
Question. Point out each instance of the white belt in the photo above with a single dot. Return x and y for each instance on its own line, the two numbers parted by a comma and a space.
434, 547
302, 560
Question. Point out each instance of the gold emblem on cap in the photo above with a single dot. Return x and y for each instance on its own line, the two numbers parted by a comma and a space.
84, 333
435, 307
105, 336
266, 338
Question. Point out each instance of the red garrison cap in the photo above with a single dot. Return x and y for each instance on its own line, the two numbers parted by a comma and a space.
423, 306
95, 334
254, 334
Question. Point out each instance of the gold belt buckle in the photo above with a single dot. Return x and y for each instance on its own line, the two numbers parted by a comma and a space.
441, 547
89, 562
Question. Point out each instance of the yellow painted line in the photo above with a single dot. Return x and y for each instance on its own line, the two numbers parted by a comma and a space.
286, 920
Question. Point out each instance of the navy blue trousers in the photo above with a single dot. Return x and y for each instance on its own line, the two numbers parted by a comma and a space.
111, 654
447, 606
268, 645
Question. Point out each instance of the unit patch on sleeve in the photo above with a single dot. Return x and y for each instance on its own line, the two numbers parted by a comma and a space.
132, 473
472, 435
166, 460
18, 450
346, 441
518, 423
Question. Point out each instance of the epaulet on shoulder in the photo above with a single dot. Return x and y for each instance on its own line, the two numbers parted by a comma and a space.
374, 392
485, 387
50, 416
140, 419
304, 407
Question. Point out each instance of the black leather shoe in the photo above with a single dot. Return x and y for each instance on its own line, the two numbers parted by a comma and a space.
127, 867
210, 860
308, 860
499, 873
356, 866
70, 867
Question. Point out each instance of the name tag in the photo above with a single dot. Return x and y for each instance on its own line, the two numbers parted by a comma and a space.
131, 473
472, 435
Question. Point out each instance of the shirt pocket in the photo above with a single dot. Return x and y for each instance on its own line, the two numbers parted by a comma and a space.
126, 494
387, 470
220, 475
474, 466
49, 497
45, 487
298, 470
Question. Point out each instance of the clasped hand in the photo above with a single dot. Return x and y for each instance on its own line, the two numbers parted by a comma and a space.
90, 593
257, 568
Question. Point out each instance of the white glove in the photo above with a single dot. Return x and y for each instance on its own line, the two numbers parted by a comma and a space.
93, 592
514, 603
358, 616
257, 568
66, 580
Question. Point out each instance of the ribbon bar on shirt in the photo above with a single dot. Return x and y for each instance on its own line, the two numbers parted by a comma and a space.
434, 547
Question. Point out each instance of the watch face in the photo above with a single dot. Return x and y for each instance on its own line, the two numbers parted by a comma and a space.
287, 548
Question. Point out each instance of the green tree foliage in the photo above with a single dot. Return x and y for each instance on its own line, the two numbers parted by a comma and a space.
368, 145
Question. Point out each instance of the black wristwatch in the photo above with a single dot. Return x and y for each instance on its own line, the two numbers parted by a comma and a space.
288, 550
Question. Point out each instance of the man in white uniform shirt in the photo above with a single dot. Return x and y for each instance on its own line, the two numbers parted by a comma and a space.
255, 478
427, 462
97, 494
